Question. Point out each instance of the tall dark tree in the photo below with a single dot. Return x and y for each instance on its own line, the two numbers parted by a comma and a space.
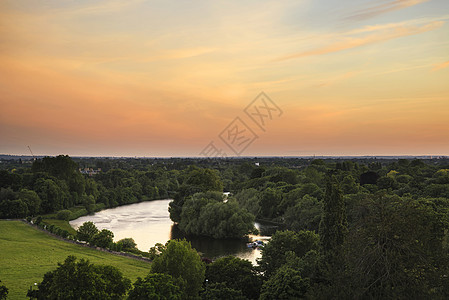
333, 231
333, 225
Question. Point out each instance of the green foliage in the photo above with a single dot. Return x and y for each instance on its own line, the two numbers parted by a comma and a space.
32, 201
63, 225
10, 180
156, 286
64, 215
333, 226
184, 264
286, 283
196, 180
289, 191
249, 199
396, 248
13, 209
61, 166
3, 291
204, 180
275, 253
127, 244
86, 231
220, 291
208, 217
305, 215
156, 250
82, 280
52, 195
237, 274
102, 239
269, 200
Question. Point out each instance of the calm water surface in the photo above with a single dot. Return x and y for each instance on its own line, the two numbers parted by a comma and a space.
149, 223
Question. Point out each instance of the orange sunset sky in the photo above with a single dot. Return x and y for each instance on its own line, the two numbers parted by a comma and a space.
164, 78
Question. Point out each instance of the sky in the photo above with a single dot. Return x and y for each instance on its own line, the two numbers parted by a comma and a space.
184, 78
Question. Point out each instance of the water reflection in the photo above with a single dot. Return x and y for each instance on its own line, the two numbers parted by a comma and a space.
214, 248
149, 223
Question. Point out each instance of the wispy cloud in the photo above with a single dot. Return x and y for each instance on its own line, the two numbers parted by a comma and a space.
103, 7
335, 79
441, 66
380, 34
383, 8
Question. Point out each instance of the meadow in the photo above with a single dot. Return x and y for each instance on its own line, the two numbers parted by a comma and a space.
27, 253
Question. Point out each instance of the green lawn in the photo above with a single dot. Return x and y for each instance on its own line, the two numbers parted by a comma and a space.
26, 254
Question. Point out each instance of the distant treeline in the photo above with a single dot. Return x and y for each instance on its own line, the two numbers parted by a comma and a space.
53, 184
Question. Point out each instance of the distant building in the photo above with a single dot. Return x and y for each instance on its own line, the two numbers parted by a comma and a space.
90, 171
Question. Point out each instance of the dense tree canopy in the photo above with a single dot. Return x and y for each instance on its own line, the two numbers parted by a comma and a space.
206, 214
155, 286
184, 264
81, 280
235, 273
87, 231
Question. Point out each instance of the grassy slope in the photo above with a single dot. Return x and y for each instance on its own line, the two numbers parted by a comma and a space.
26, 254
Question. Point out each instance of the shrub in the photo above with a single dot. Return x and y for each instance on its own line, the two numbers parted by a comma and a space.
64, 215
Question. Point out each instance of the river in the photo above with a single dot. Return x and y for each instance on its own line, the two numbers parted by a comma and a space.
149, 223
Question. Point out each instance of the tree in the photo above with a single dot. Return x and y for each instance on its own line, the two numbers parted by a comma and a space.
86, 231
269, 200
275, 253
206, 214
333, 226
103, 239
61, 166
369, 178
127, 244
13, 209
220, 291
81, 280
156, 286
396, 248
32, 201
286, 283
237, 274
63, 214
249, 199
184, 264
197, 180
333, 230
305, 215
51, 194
3, 291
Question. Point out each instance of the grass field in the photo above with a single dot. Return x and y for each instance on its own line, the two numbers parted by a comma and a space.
26, 254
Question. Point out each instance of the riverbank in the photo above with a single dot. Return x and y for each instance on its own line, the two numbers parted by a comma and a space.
149, 223
27, 253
